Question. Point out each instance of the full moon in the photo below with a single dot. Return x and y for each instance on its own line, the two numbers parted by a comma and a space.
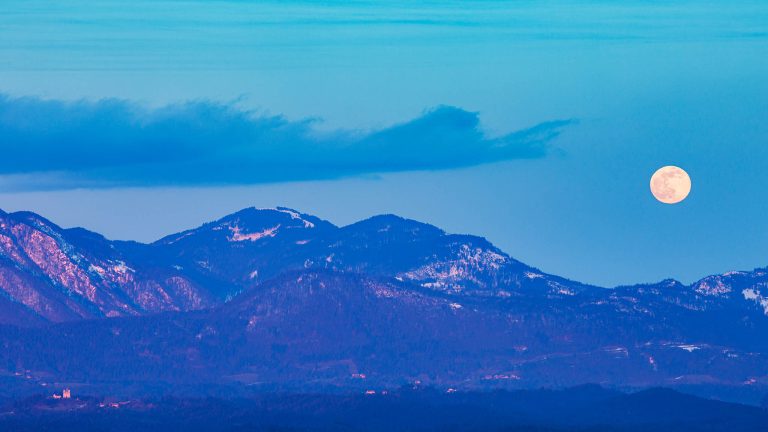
670, 184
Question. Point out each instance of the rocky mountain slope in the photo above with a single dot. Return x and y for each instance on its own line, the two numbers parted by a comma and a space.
70, 274
276, 298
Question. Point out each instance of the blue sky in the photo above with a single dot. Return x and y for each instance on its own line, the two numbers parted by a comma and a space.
349, 87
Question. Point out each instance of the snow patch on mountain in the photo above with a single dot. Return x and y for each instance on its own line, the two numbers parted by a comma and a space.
238, 235
689, 347
182, 236
296, 216
560, 289
92, 268
755, 295
292, 213
469, 264
121, 268
712, 286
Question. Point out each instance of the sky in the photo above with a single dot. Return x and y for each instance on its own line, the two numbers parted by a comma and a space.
534, 124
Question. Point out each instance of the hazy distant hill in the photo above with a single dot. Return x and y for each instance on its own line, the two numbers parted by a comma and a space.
585, 409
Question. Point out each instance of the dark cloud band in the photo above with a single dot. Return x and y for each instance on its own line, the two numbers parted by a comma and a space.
119, 143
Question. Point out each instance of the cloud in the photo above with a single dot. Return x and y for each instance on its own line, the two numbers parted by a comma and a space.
50, 144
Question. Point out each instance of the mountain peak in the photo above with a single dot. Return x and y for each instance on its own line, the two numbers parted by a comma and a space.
291, 217
395, 223
671, 283
36, 222
253, 224
31, 216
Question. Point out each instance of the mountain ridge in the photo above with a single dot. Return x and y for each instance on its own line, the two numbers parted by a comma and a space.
465, 256
282, 299
88, 231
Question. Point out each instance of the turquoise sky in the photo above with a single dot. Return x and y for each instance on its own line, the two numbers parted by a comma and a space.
649, 84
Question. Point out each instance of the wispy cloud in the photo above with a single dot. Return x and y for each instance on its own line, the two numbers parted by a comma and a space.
49, 144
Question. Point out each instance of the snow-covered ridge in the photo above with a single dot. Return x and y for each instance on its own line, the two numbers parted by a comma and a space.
292, 213
105, 274
238, 235
464, 266
714, 285
755, 295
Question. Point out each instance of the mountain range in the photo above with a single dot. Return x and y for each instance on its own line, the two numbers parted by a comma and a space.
278, 299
